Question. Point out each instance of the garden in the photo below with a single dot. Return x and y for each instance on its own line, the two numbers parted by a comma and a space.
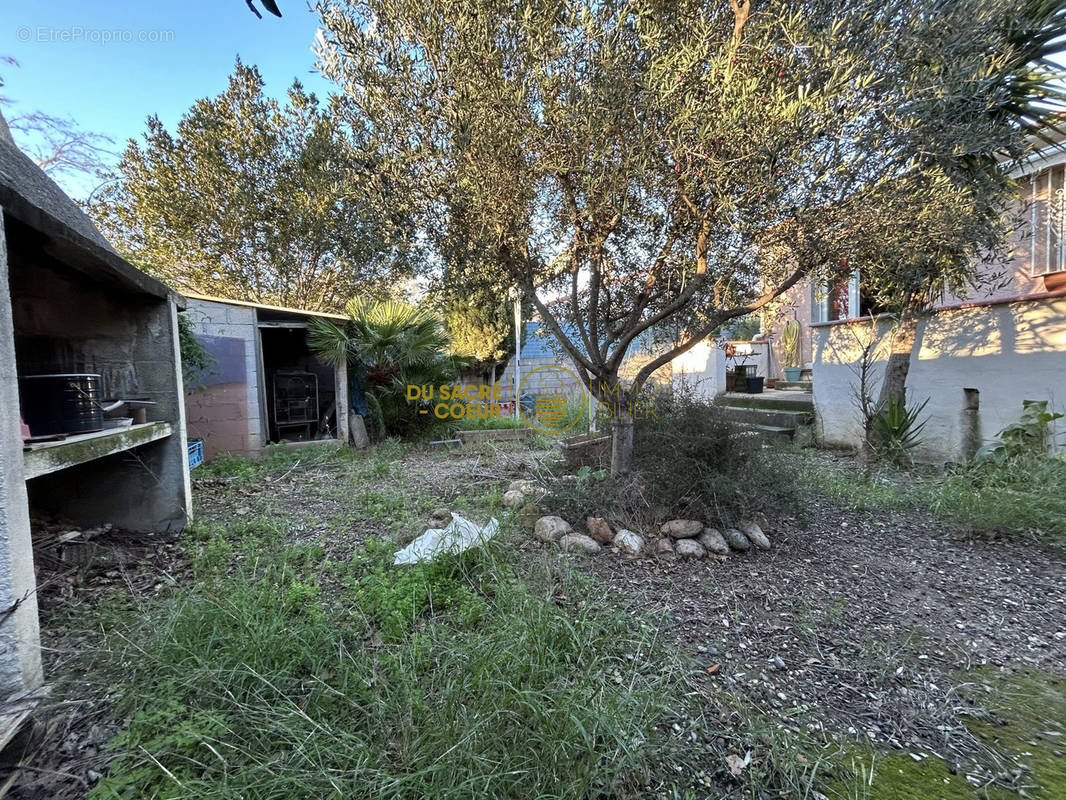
887, 644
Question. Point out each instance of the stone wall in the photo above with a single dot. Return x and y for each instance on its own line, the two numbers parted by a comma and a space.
1007, 352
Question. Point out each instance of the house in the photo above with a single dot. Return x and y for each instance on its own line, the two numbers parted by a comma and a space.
545, 366
264, 385
977, 356
93, 424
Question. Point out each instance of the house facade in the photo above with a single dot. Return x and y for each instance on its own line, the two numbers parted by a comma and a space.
977, 355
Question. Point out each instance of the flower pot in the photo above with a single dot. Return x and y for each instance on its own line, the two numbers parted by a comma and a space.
755, 385
792, 374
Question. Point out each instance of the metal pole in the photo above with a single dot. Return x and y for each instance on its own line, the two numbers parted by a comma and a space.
517, 350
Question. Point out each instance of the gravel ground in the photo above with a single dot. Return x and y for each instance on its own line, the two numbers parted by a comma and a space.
862, 626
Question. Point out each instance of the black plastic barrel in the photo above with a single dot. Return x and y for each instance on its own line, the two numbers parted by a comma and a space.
61, 403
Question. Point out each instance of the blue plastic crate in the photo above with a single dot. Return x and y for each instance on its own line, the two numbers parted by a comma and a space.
196, 454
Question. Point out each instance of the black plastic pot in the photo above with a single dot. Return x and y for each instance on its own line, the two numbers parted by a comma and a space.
755, 385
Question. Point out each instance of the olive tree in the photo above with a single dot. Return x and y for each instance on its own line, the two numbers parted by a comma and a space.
652, 161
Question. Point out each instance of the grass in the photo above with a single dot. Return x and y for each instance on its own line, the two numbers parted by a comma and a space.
1026, 496
1018, 721
291, 667
279, 674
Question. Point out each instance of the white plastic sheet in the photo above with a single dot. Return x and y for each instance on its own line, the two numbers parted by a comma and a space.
460, 534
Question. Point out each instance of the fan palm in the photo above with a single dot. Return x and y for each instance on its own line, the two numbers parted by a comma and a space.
397, 345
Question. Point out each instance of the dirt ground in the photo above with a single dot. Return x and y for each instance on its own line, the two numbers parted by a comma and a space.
855, 626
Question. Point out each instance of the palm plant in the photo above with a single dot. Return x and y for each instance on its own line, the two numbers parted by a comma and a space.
396, 345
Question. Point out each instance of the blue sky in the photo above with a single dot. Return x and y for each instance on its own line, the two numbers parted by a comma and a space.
67, 66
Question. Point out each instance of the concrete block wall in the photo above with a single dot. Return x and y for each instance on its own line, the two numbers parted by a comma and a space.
65, 322
1008, 352
227, 416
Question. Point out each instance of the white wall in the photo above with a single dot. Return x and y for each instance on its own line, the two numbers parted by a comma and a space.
701, 370
1009, 352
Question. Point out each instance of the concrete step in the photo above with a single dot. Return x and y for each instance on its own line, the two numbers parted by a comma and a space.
769, 434
793, 386
774, 401
777, 418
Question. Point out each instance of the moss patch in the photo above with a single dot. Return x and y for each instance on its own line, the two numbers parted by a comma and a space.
1026, 726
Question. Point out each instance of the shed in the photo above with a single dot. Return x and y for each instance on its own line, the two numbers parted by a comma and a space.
71, 306
263, 385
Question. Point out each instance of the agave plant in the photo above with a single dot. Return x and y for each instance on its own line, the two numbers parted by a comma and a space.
396, 345
897, 429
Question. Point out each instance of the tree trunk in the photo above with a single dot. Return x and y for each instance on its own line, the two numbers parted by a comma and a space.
622, 443
894, 385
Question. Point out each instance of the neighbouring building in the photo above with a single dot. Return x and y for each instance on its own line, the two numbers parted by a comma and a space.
92, 424
264, 384
977, 356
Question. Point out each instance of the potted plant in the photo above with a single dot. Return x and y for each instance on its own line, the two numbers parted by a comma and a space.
790, 341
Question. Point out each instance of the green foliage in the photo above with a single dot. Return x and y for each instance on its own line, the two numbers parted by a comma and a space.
1026, 436
676, 166
897, 430
253, 199
264, 680
195, 359
480, 324
696, 462
398, 598
691, 461
398, 345
276, 460
1024, 496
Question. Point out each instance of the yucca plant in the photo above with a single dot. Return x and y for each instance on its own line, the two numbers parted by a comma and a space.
897, 430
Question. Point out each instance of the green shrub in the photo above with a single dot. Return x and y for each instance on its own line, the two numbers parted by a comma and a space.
1029, 435
897, 429
397, 598
689, 460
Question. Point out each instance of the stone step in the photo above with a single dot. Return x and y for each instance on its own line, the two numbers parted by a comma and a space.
774, 417
793, 386
774, 401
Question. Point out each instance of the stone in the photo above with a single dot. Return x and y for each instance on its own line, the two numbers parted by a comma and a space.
681, 528
736, 539
357, 432
551, 528
579, 543
528, 488
599, 529
689, 548
513, 499
713, 541
755, 535
629, 542
664, 546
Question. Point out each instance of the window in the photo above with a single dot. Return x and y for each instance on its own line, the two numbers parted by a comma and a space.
839, 301
1047, 220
